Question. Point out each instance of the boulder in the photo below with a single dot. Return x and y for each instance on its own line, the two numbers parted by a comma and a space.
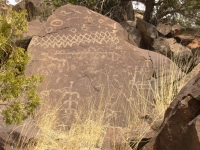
172, 49
180, 128
189, 76
33, 29
164, 29
36, 9
79, 60
84, 57
194, 44
149, 33
185, 35
134, 34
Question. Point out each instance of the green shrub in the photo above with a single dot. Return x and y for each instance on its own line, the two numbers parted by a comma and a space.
17, 91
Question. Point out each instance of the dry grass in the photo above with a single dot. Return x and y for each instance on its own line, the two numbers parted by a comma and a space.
88, 129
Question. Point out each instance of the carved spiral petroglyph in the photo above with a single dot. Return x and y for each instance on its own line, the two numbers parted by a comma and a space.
62, 41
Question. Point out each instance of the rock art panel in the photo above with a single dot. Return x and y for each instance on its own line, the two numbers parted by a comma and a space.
83, 54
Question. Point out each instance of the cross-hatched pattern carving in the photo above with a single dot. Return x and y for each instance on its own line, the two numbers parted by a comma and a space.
62, 41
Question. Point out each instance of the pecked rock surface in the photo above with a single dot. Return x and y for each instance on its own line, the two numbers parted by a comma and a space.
180, 129
81, 52
84, 55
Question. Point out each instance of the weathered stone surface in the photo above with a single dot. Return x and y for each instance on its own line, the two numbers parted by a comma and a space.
78, 60
36, 9
180, 129
149, 32
189, 76
83, 54
163, 28
33, 29
134, 34
169, 47
185, 35
194, 44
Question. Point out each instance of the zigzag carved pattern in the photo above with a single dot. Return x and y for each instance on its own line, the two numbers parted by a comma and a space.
58, 41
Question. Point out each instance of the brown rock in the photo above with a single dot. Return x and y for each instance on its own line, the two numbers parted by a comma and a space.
172, 49
185, 35
189, 76
134, 34
163, 28
149, 32
194, 44
180, 129
83, 55
36, 9
79, 60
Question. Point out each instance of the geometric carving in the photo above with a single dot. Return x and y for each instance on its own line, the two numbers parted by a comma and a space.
62, 41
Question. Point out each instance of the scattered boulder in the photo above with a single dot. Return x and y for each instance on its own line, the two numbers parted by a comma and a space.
180, 128
36, 9
149, 33
134, 34
194, 44
172, 49
189, 76
164, 29
185, 35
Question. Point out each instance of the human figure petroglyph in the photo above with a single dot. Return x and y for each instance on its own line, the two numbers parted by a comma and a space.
73, 98
140, 74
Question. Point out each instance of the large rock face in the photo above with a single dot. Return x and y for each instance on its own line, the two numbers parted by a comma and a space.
83, 54
180, 129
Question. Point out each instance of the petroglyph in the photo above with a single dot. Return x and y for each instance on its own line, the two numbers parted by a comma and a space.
55, 65
56, 22
90, 12
114, 26
140, 74
118, 47
63, 41
49, 30
89, 19
91, 52
73, 30
84, 27
71, 18
65, 13
67, 95
100, 20
76, 11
